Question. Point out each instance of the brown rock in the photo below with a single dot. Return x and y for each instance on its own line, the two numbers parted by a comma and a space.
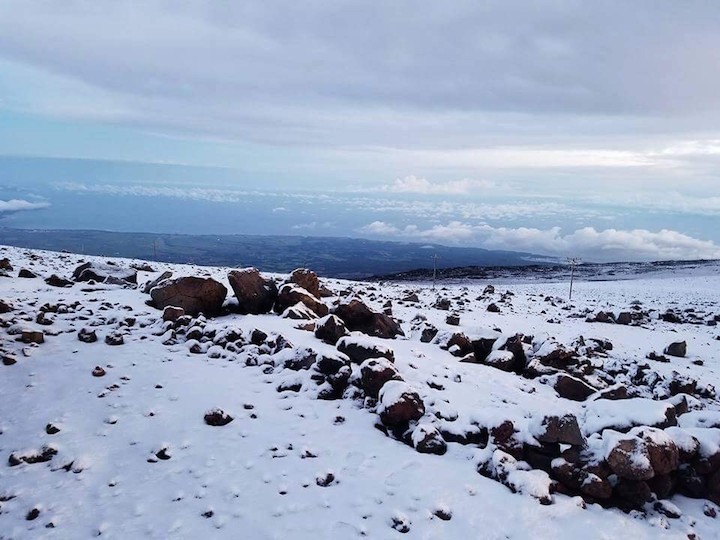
98, 372
399, 404
677, 348
217, 417
87, 335
374, 373
254, 293
25, 273
172, 313
309, 281
32, 336
572, 388
193, 294
560, 429
291, 294
330, 329
630, 459
357, 316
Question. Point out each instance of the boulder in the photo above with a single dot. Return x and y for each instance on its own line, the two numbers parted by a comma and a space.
560, 429
358, 317
101, 273
399, 404
308, 280
374, 373
677, 348
330, 329
482, 347
172, 313
427, 440
502, 360
25, 273
569, 387
662, 451
193, 294
57, 281
254, 293
290, 294
5, 307
150, 285
86, 335
359, 349
629, 459
32, 336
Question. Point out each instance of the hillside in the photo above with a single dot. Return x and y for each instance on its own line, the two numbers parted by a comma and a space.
342, 409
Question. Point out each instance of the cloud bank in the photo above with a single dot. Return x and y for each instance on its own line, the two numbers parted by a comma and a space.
601, 246
19, 205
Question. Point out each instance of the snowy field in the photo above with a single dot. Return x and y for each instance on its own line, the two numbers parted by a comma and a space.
130, 455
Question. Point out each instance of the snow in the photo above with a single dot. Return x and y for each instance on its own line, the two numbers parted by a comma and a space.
257, 477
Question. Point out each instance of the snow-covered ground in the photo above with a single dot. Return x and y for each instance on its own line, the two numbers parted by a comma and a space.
266, 473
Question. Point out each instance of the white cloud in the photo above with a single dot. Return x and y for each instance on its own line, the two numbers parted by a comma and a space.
18, 205
594, 245
414, 184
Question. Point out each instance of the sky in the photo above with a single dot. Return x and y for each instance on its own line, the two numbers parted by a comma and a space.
565, 128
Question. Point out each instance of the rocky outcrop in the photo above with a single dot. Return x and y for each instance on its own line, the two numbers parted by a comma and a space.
102, 273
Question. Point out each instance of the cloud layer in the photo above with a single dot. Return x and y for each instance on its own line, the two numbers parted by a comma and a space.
594, 245
19, 205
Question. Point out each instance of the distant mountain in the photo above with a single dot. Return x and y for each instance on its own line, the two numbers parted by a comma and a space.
336, 257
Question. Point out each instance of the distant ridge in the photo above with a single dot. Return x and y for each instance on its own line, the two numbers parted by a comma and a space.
328, 256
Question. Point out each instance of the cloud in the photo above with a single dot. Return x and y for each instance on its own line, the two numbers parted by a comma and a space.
413, 184
19, 205
594, 245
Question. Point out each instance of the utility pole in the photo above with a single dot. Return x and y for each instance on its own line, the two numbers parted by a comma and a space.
574, 261
434, 258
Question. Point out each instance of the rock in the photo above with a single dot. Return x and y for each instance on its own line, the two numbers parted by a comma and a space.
629, 458
330, 364
102, 273
359, 349
453, 320
114, 339
297, 359
57, 281
5, 264
427, 439
514, 344
217, 418
193, 294
290, 294
308, 280
330, 329
625, 318
482, 347
51, 429
502, 360
492, 308
254, 293
25, 273
172, 313
98, 372
32, 336
677, 348
560, 429
457, 343
299, 312
325, 480
428, 333
569, 387
45, 454
602, 317
374, 373
399, 404
5, 307
411, 298
634, 493
87, 335
157, 281
358, 317
662, 451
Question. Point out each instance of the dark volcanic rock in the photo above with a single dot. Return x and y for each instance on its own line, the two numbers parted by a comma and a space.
291, 294
254, 293
399, 404
678, 348
57, 281
630, 459
427, 440
25, 273
357, 316
308, 280
330, 329
560, 429
104, 273
374, 373
572, 388
195, 295
360, 349
86, 335
217, 417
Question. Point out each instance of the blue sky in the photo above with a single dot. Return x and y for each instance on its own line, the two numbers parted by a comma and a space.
556, 127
